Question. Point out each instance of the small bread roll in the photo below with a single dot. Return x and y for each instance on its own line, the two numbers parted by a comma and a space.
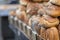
19, 10
48, 21
22, 8
52, 34
12, 13
57, 2
21, 14
32, 8
52, 10
24, 2
36, 0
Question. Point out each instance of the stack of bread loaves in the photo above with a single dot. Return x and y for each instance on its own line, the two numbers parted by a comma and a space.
42, 16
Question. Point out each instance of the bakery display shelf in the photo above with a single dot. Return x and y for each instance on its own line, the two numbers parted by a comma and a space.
15, 27
22, 32
25, 29
18, 34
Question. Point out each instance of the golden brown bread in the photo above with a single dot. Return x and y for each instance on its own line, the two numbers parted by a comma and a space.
21, 14
48, 21
42, 11
52, 34
24, 2
59, 30
57, 2
22, 8
32, 8
52, 10
19, 11
13, 13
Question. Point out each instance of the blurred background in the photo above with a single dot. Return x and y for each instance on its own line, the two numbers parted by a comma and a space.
9, 1
5, 7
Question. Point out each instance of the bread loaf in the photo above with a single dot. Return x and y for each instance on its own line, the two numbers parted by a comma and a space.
23, 17
52, 10
24, 2
52, 34
48, 21
32, 8
21, 14
12, 13
59, 30
57, 2
20, 10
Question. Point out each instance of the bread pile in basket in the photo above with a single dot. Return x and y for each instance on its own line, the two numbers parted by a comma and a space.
42, 16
